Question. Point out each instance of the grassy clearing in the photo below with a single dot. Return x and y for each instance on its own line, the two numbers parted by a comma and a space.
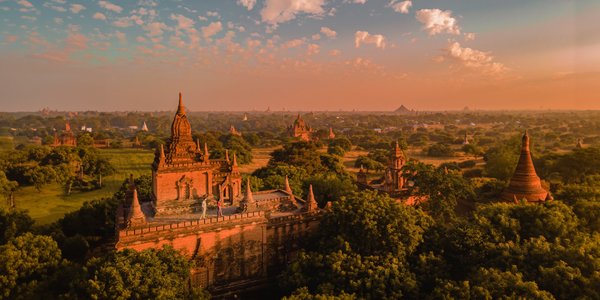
6, 143
260, 158
51, 203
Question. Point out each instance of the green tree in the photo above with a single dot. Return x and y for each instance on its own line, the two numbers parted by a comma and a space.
25, 263
149, 274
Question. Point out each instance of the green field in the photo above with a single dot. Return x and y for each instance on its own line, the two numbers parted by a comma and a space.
51, 203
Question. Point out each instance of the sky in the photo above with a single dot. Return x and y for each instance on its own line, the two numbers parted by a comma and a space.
311, 55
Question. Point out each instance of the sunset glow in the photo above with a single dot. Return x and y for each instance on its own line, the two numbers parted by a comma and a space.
299, 54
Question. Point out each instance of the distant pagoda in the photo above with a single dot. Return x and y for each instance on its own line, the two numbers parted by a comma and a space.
525, 183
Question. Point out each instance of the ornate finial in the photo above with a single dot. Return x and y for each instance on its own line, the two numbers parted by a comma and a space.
198, 145
180, 108
206, 154
525, 141
227, 155
162, 151
234, 160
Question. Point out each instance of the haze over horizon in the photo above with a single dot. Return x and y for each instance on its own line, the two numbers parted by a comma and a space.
309, 55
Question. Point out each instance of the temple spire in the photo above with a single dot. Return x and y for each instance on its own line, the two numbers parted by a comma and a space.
180, 108
235, 164
248, 197
206, 154
311, 203
525, 183
227, 155
288, 189
137, 215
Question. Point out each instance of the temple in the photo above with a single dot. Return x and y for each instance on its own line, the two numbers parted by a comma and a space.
66, 137
525, 183
331, 134
237, 241
392, 181
183, 172
300, 130
234, 131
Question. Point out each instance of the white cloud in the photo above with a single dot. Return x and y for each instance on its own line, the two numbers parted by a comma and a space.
212, 14
212, 29
363, 37
110, 6
313, 49
280, 11
76, 8
249, 4
436, 21
99, 16
360, 1
472, 59
25, 3
401, 7
335, 52
330, 33
469, 36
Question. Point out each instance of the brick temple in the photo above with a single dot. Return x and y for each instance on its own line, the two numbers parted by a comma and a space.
525, 183
240, 241
301, 130
65, 138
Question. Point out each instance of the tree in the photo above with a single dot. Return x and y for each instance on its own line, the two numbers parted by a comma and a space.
85, 140
374, 224
440, 150
13, 223
441, 190
149, 274
491, 284
25, 263
8, 188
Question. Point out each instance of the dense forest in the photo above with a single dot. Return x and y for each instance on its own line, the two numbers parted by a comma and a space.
462, 243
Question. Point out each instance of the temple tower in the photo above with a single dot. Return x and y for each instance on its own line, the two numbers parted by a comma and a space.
394, 181
525, 184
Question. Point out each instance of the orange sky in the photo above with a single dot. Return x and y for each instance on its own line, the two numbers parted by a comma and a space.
320, 55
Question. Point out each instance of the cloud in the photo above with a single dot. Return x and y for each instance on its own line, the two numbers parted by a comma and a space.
249, 4
25, 3
363, 37
360, 1
472, 59
121, 37
99, 16
335, 52
155, 29
76, 8
122, 22
11, 38
330, 33
183, 22
292, 43
436, 21
469, 36
280, 11
109, 6
212, 29
313, 49
401, 7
